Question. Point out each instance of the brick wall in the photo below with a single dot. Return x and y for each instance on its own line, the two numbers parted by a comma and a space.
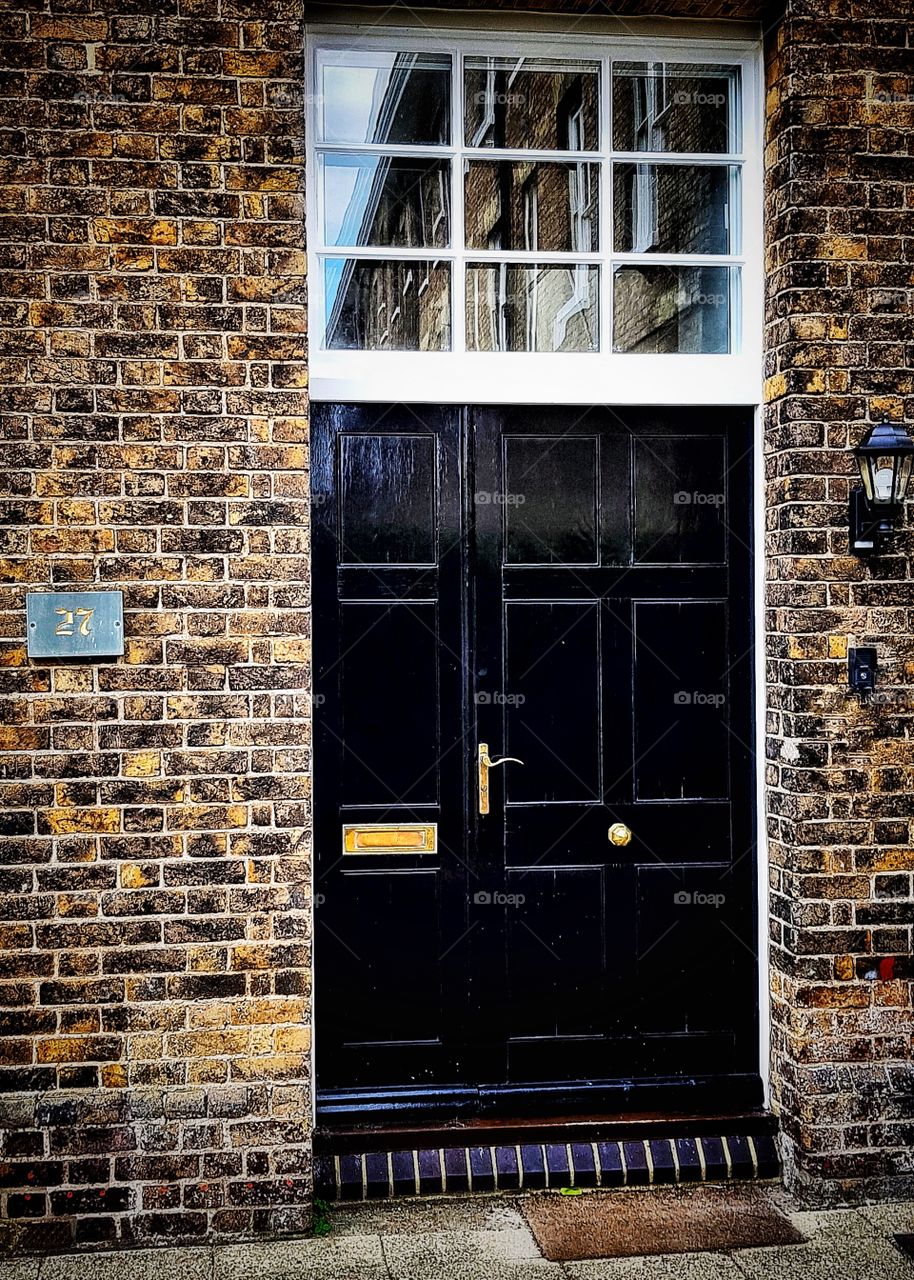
839, 213
154, 864
154, 871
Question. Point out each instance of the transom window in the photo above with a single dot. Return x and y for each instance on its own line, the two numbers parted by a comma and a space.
473, 202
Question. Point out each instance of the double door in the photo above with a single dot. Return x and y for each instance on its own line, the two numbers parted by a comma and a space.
575, 928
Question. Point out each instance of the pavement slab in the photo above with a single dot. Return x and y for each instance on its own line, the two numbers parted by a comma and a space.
130, 1264
826, 1261
396, 1217
887, 1219
19, 1268
509, 1253
682, 1266
325, 1256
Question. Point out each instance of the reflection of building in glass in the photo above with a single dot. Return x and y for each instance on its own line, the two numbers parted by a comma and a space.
390, 200
541, 207
385, 305
545, 206
671, 208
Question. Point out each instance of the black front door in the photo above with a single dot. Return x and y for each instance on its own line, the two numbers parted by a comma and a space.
571, 589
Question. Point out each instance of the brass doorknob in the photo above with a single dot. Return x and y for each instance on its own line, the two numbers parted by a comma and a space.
619, 834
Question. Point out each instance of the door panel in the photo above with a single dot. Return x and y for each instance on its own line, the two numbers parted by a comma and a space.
552, 661
574, 589
389, 674
679, 691
390, 713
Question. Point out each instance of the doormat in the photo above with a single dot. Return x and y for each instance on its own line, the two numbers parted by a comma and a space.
631, 1224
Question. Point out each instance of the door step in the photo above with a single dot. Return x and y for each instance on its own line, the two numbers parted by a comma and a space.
430, 1171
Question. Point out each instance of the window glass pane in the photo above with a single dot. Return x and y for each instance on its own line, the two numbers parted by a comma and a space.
531, 103
375, 304
386, 200
672, 309
514, 307
532, 205
670, 106
386, 97
673, 208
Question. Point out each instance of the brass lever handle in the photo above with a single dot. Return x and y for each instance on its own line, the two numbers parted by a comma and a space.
484, 764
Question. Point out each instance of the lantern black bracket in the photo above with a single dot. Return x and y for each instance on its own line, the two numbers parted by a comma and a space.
869, 528
885, 459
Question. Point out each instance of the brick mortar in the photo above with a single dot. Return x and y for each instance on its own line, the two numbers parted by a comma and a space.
154, 855
838, 356
155, 848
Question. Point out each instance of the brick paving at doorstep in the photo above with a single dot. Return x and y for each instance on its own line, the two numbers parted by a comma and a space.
487, 1238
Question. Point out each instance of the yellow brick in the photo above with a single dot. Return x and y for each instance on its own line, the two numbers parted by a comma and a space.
23, 569
147, 1046
209, 1044
775, 387
133, 876
207, 1071
274, 1010
114, 1076
273, 1067
142, 231
837, 646
62, 822
845, 248
73, 679
217, 1013
815, 383
207, 817
887, 407
71, 1049
205, 959
14, 657
79, 905
293, 1040
251, 957
76, 511
139, 652
142, 764
297, 650
16, 737
261, 1040
67, 795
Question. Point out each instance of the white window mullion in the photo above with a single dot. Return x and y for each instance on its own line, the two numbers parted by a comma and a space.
606, 206
458, 262
464, 371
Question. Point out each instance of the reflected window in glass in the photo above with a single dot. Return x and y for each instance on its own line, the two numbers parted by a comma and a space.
667, 106
541, 307
545, 206
672, 208
531, 104
390, 201
381, 304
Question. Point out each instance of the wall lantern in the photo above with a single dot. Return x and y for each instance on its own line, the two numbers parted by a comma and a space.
884, 456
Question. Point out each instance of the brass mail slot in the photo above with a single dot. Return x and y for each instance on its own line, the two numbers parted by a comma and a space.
381, 837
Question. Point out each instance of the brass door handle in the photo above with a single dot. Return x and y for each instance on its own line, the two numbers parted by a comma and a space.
484, 764
619, 834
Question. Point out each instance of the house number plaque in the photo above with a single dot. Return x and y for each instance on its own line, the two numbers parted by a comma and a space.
75, 624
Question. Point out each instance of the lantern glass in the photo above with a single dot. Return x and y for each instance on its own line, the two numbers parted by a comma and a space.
885, 458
